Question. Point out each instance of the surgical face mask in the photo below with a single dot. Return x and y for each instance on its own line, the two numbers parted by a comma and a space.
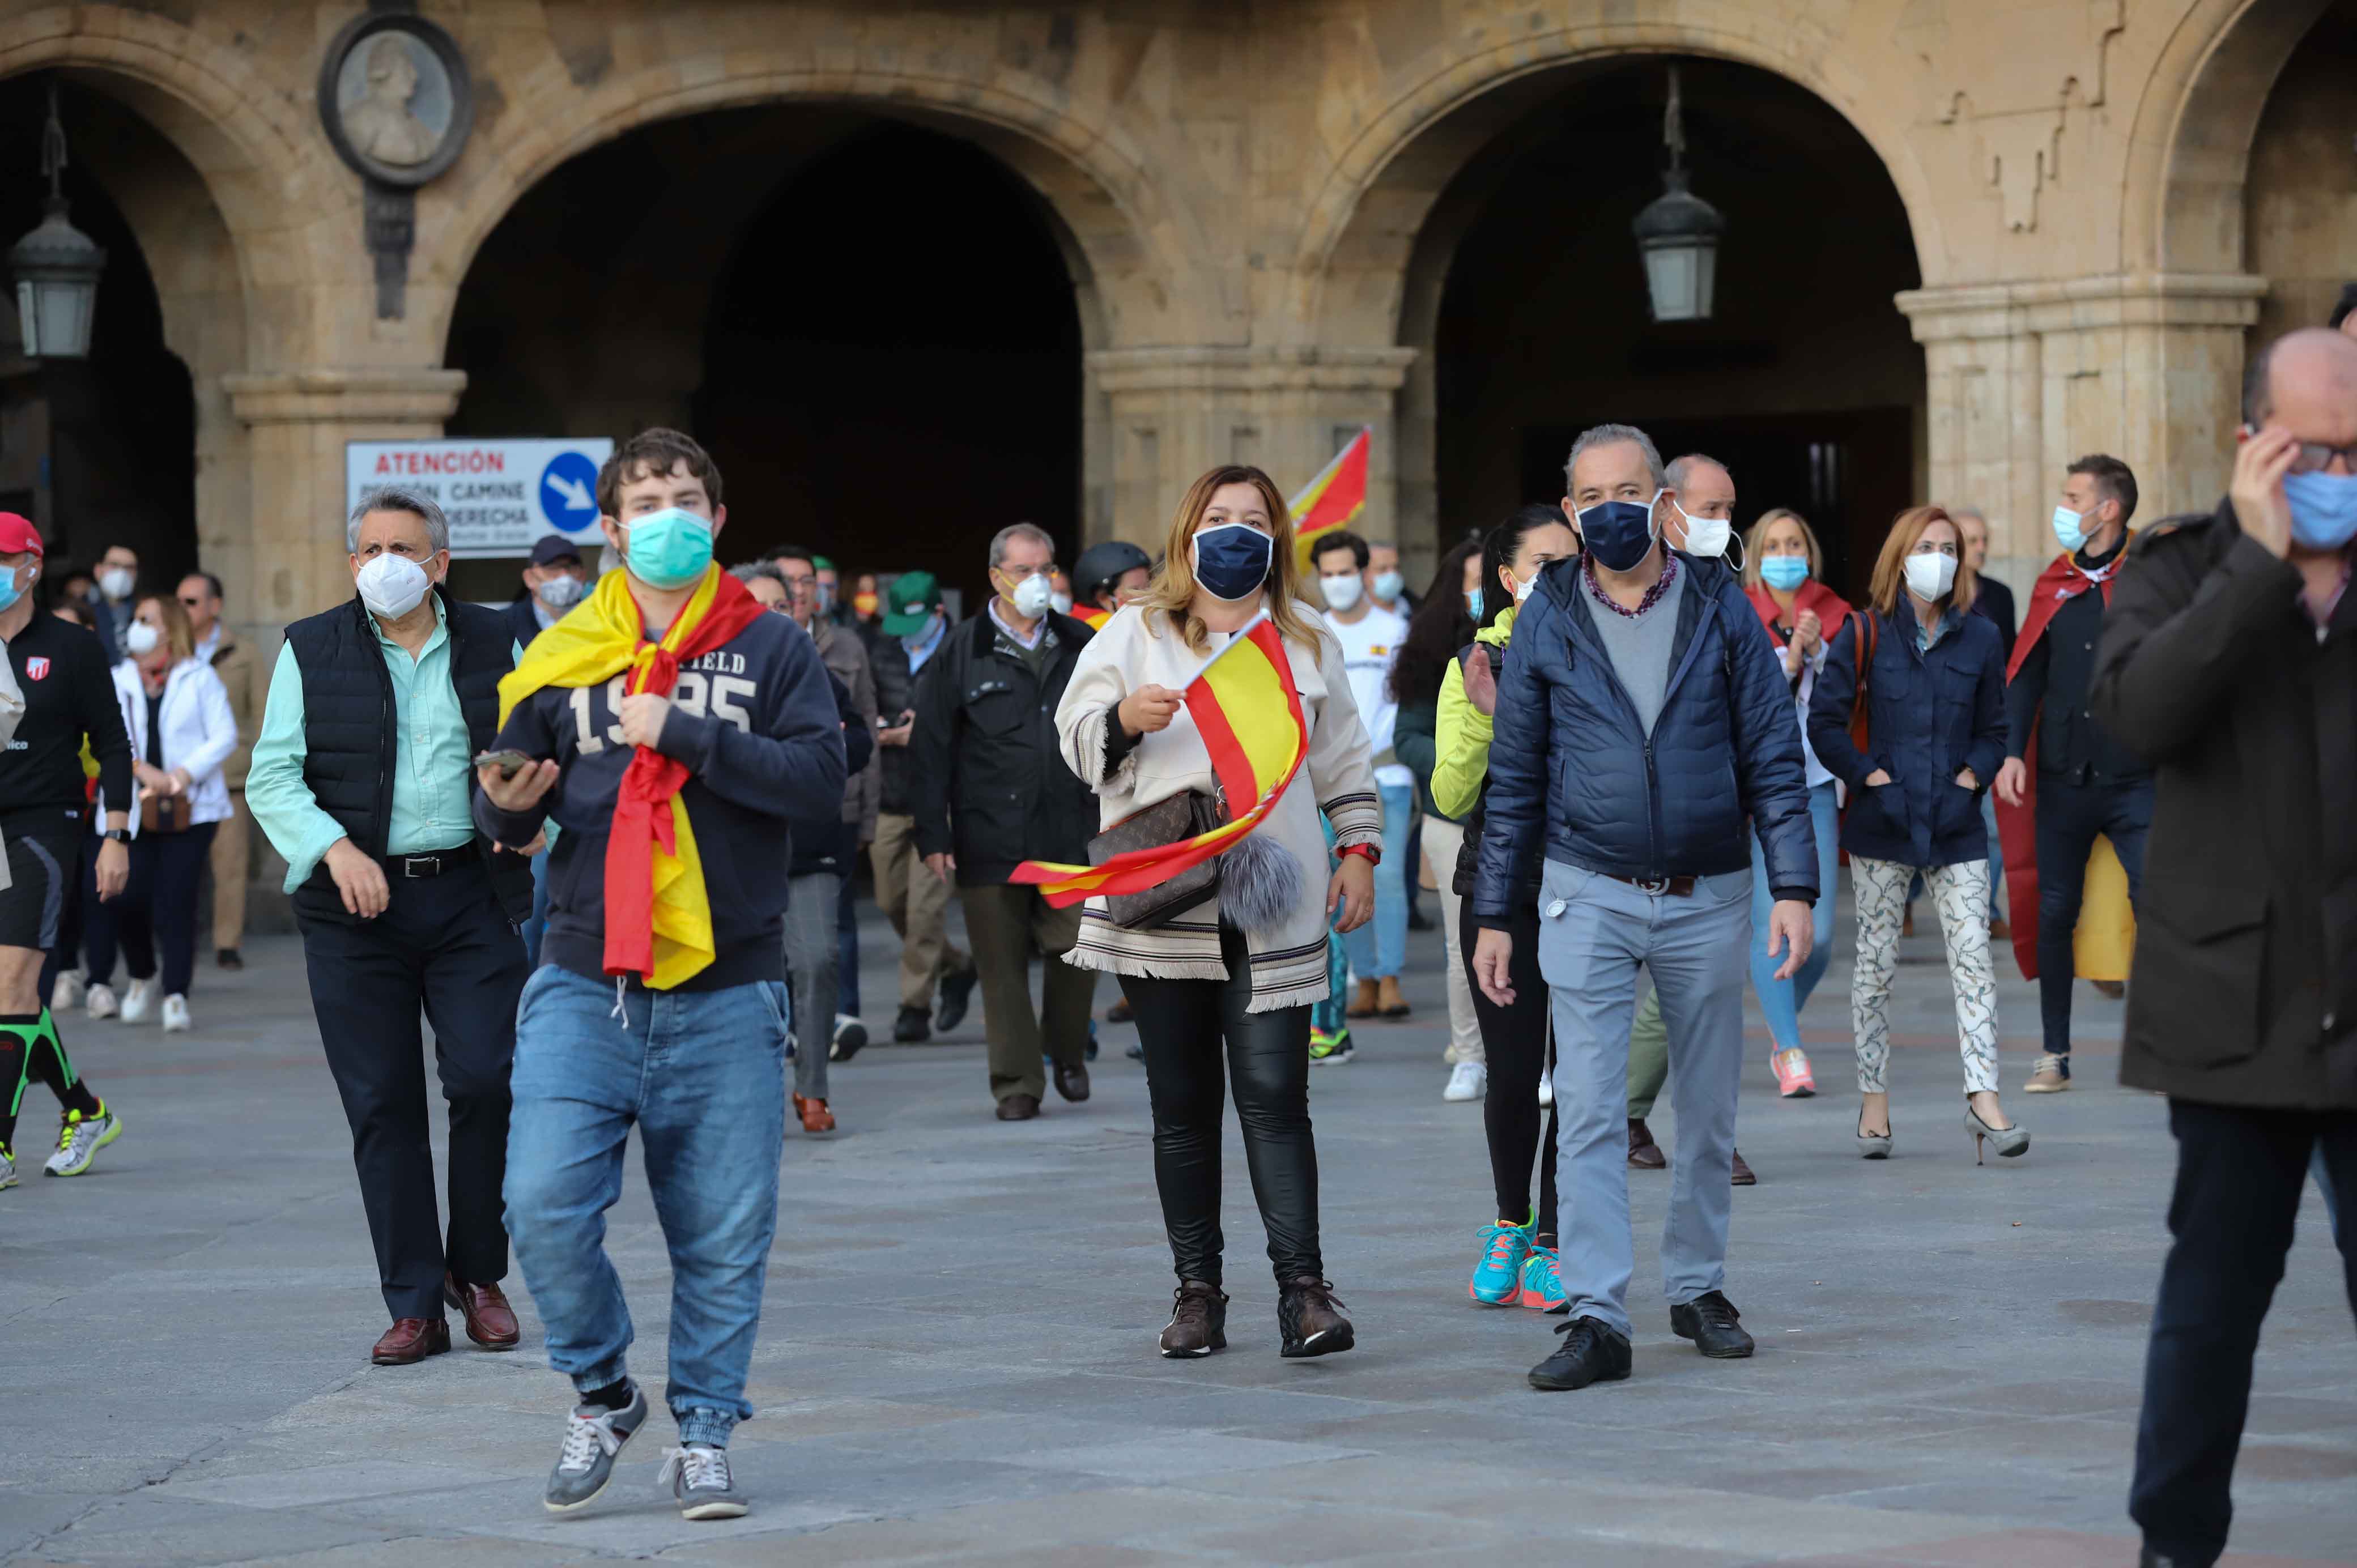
1929, 577
668, 549
2324, 509
1785, 573
139, 638
1388, 586
1060, 603
562, 593
1341, 593
1707, 536
1522, 586
1232, 560
1618, 534
2070, 528
391, 586
1031, 597
10, 590
116, 582
1473, 603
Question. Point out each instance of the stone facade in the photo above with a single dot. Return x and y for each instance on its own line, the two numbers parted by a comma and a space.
1252, 200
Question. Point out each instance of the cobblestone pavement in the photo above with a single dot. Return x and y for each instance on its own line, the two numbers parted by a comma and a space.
956, 1363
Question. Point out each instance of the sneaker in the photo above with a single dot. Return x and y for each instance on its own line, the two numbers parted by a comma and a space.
957, 993
2050, 1075
1498, 1277
229, 957
1711, 1321
1592, 1352
139, 1002
68, 993
80, 1138
593, 1435
1542, 1284
1793, 1080
1467, 1080
176, 1015
1330, 1050
1198, 1321
1308, 1319
911, 1028
1546, 1090
698, 1477
7, 1168
100, 1002
850, 1038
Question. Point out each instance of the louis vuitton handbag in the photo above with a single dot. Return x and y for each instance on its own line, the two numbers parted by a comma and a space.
1172, 820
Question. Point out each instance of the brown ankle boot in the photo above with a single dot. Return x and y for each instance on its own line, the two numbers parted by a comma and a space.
1644, 1153
1368, 1003
1308, 1318
1199, 1320
1389, 999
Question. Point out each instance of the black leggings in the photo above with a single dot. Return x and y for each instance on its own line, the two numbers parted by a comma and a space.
31, 1052
1515, 1039
1181, 1024
157, 908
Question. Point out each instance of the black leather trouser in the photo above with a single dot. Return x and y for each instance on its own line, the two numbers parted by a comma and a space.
1183, 1024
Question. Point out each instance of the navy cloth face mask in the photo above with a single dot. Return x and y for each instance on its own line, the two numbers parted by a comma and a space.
2324, 509
1617, 533
1232, 560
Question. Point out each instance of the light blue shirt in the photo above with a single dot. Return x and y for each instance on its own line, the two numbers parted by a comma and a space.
921, 646
432, 761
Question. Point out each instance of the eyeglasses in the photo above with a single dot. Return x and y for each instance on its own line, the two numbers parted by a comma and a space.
192, 604
2315, 456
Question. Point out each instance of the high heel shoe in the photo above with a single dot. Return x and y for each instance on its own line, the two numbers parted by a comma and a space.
1874, 1145
2010, 1141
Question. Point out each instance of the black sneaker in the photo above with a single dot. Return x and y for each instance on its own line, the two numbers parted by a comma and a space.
1710, 1321
850, 1038
229, 957
911, 1028
957, 990
1307, 1321
1592, 1352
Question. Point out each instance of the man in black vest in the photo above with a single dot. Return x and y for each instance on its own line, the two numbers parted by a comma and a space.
362, 777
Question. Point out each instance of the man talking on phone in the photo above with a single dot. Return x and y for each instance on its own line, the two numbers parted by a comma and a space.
363, 779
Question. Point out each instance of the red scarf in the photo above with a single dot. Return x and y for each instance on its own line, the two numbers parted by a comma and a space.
1831, 608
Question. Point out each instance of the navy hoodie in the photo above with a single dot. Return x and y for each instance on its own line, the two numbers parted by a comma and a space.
755, 721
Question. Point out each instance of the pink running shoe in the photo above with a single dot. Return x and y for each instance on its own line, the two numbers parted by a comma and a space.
1793, 1080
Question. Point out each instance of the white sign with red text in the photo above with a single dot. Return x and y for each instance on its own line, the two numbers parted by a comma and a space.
500, 496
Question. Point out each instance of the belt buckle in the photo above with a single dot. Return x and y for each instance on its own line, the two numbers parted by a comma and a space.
1656, 886
410, 862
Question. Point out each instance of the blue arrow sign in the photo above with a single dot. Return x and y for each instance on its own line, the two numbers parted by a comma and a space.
568, 491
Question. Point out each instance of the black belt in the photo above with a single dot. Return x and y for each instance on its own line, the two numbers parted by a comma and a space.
433, 863
1660, 887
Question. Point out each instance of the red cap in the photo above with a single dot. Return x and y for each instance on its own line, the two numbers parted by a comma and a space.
17, 535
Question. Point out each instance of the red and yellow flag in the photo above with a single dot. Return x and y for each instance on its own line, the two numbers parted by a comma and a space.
1335, 497
1246, 707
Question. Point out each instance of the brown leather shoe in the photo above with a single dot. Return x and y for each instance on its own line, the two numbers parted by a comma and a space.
1368, 1003
1072, 1082
490, 1321
410, 1340
1644, 1154
2000, 930
1308, 1318
816, 1117
1018, 1108
2114, 989
1389, 997
1743, 1176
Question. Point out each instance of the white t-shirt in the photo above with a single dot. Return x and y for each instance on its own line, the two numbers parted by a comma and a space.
1370, 646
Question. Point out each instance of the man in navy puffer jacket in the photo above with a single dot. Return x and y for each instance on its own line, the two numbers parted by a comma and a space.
1643, 722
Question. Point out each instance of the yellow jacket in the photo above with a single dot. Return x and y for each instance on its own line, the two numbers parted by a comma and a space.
1461, 763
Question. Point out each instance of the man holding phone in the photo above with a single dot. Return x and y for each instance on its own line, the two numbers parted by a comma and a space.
361, 778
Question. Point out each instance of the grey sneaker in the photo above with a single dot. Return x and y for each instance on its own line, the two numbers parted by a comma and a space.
698, 1477
593, 1435
80, 1138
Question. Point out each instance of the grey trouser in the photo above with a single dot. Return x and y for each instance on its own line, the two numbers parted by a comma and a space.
810, 960
1594, 931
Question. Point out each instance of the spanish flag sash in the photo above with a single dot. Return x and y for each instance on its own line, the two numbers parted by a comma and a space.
658, 918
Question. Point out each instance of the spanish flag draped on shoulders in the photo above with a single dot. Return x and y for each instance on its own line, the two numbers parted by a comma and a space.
671, 866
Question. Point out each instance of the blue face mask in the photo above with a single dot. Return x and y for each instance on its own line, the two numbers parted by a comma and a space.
668, 549
2323, 510
1232, 560
1784, 573
1473, 603
1618, 534
2068, 531
9, 592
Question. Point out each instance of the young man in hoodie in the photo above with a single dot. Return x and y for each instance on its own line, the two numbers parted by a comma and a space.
673, 729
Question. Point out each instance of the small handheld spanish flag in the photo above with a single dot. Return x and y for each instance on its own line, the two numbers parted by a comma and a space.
1334, 498
1246, 707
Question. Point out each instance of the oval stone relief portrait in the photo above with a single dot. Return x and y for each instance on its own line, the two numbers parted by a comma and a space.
395, 98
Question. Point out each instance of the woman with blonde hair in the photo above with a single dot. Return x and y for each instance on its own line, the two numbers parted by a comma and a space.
1783, 575
1931, 680
1241, 970
182, 730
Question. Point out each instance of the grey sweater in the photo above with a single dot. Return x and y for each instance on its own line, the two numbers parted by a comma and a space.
1641, 647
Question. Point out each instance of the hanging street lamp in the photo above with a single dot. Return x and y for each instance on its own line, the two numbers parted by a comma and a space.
55, 267
1677, 233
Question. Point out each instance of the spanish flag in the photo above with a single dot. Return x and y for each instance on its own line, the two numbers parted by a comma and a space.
1091, 616
1335, 497
1249, 715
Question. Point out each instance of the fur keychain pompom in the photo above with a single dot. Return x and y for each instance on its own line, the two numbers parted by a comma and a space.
1260, 883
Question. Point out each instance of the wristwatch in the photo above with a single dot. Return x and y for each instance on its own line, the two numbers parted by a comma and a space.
1373, 851
116, 835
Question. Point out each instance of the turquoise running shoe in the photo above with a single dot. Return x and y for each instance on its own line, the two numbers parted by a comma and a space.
1542, 1288
1498, 1277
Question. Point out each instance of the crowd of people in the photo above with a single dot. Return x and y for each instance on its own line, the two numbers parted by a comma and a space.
1631, 746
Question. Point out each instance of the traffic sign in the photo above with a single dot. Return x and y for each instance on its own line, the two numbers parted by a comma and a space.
499, 494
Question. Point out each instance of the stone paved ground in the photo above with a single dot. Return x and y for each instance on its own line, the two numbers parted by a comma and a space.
956, 1363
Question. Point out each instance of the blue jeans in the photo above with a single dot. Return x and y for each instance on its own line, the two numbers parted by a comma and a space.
538, 923
703, 1074
1379, 947
1997, 853
1782, 1000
